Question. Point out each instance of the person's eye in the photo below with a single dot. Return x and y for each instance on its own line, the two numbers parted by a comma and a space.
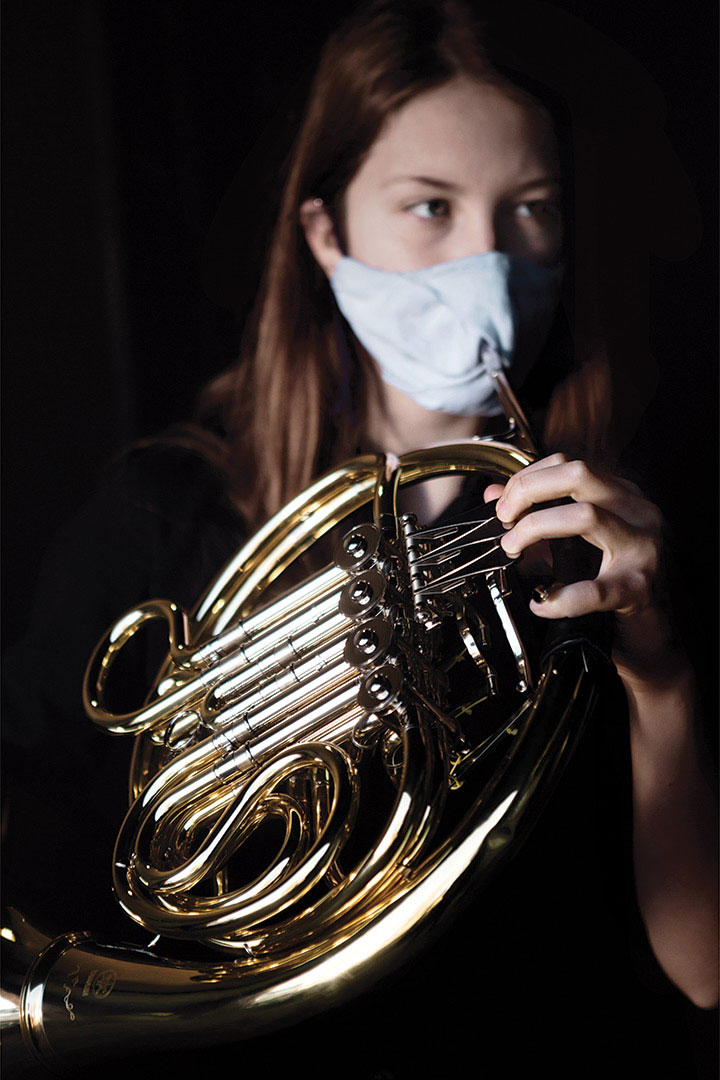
539, 209
431, 209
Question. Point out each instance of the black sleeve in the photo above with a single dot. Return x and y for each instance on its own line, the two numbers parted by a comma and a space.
158, 527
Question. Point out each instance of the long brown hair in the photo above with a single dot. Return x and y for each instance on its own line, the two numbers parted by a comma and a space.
295, 402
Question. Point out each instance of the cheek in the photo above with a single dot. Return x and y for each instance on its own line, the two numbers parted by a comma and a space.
361, 232
377, 234
383, 238
543, 246
551, 248
372, 237
361, 226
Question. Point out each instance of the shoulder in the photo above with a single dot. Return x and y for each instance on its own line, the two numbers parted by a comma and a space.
170, 477
171, 504
147, 501
160, 523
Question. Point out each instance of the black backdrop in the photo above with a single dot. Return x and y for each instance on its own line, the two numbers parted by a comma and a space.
126, 122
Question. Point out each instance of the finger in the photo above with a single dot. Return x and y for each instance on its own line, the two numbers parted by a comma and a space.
546, 463
563, 459
623, 594
493, 491
599, 527
578, 481
536, 466
628, 553
567, 480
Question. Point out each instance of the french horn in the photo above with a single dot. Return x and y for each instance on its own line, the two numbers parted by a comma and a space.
400, 665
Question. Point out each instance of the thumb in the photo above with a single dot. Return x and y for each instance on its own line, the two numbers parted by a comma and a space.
493, 491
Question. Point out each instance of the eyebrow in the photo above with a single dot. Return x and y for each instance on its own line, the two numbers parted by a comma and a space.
448, 185
541, 181
429, 181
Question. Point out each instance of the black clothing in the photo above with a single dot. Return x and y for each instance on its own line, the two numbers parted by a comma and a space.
548, 970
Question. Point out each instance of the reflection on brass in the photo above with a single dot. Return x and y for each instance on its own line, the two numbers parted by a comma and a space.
393, 662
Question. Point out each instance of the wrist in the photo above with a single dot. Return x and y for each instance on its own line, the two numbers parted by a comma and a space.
647, 652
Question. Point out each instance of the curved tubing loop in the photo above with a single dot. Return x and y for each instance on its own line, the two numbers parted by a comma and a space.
105, 653
342, 491
224, 1001
161, 899
298, 623
200, 782
146, 893
238, 588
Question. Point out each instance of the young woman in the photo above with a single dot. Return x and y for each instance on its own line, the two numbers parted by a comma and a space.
416, 152
425, 215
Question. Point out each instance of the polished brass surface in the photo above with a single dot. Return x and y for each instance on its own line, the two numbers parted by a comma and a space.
273, 711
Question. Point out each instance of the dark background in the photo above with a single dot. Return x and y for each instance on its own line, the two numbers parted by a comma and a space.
125, 123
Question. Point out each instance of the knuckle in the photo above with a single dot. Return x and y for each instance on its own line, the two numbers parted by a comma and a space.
587, 516
639, 585
515, 491
580, 473
646, 554
652, 557
646, 588
521, 535
655, 520
522, 479
601, 589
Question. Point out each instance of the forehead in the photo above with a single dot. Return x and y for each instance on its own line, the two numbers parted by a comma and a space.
466, 128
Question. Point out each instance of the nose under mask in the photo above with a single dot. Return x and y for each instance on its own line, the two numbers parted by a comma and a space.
436, 332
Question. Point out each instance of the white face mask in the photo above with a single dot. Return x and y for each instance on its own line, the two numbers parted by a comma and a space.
435, 332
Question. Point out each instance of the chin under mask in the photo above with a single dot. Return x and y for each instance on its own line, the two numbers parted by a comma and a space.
436, 332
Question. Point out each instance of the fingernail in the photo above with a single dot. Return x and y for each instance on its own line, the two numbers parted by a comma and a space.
508, 543
540, 594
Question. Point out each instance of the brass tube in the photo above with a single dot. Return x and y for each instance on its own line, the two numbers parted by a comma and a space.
305, 599
225, 1001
